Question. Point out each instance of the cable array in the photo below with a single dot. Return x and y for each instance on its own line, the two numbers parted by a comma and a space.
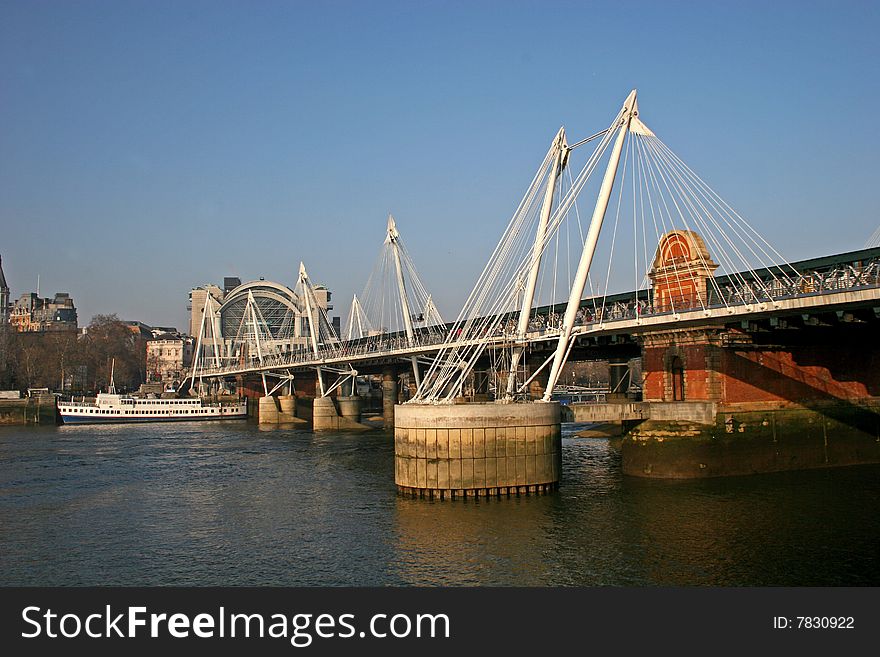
666, 232
490, 308
380, 308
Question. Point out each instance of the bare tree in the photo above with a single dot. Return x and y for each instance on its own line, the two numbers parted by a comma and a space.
47, 359
109, 340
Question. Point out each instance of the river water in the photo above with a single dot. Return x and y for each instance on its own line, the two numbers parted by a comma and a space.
231, 504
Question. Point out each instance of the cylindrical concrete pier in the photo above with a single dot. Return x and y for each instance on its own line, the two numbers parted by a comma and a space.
350, 407
389, 396
324, 415
268, 410
288, 408
478, 449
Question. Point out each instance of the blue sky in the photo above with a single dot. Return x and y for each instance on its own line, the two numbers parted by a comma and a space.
148, 147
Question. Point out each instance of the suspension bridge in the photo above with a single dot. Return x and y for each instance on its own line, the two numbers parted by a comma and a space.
395, 319
658, 255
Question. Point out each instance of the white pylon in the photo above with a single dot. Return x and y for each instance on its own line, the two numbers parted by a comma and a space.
392, 239
560, 157
357, 318
314, 325
630, 110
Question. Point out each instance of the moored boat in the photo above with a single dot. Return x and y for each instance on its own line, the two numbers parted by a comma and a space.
109, 408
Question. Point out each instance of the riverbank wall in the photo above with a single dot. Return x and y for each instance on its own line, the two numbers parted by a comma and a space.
40, 409
751, 438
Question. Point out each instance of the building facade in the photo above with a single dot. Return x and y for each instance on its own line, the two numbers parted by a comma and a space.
198, 299
32, 313
168, 359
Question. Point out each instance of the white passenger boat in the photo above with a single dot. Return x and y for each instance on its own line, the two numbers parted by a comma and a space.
110, 407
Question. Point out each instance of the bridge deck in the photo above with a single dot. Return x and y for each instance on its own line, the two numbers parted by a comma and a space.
634, 321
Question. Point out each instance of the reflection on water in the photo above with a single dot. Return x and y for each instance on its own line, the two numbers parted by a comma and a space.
230, 504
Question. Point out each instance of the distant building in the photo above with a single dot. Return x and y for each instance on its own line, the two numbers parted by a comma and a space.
4, 297
322, 296
140, 329
198, 299
168, 354
32, 313
168, 359
159, 332
230, 283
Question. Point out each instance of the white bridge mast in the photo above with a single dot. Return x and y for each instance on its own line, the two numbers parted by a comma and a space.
314, 325
392, 239
559, 161
630, 110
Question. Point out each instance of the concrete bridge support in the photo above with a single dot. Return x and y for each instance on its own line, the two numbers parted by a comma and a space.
350, 407
477, 449
781, 400
327, 416
389, 396
268, 410
278, 410
287, 410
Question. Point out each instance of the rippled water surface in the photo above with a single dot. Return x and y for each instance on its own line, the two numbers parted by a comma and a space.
229, 504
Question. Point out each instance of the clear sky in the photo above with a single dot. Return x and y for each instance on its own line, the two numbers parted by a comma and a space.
149, 147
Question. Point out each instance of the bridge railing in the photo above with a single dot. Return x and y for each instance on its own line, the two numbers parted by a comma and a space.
806, 284
371, 346
848, 277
